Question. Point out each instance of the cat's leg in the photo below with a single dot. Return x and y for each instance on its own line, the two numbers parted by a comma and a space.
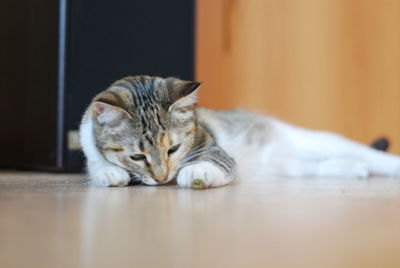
336, 149
100, 171
333, 167
210, 168
381, 163
342, 167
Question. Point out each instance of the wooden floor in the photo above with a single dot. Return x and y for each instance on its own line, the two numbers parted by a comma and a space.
55, 220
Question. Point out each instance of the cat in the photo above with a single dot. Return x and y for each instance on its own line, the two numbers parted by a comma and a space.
149, 129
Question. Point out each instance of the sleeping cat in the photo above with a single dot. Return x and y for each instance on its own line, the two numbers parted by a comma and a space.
149, 129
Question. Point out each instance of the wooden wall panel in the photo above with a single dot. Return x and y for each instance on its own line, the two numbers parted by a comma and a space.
331, 64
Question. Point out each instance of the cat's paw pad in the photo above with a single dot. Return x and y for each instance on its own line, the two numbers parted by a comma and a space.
111, 176
202, 175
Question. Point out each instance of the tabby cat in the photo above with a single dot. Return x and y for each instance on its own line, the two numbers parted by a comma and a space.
148, 129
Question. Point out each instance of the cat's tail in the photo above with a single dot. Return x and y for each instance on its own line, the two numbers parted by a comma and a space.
381, 144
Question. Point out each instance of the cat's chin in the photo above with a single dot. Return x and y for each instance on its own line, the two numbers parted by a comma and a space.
150, 181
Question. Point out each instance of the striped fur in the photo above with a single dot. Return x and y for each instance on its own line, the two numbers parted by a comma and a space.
144, 117
149, 129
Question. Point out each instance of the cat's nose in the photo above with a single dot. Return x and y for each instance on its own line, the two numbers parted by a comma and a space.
161, 179
160, 174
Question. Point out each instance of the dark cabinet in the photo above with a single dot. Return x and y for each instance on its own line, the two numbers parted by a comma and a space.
56, 55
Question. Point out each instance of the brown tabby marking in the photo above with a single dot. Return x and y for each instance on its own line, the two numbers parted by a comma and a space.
138, 119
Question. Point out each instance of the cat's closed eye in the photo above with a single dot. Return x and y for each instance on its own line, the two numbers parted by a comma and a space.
138, 157
173, 149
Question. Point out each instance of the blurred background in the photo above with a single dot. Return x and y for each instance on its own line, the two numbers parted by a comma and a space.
330, 64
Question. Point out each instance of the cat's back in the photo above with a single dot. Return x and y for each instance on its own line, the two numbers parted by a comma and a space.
227, 120
234, 129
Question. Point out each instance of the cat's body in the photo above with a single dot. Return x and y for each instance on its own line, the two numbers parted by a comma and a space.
150, 128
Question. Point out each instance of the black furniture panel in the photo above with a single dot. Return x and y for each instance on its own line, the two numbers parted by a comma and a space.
56, 55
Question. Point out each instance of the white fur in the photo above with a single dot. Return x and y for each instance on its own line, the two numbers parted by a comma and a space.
149, 181
288, 151
212, 175
294, 151
100, 171
342, 167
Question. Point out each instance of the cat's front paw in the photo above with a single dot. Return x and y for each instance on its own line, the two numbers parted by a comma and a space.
202, 175
110, 176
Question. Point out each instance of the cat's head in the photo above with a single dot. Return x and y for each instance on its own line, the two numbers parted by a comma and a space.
146, 125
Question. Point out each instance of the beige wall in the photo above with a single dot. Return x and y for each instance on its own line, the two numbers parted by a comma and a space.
326, 64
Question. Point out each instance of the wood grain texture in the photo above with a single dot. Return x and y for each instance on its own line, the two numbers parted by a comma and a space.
332, 65
58, 220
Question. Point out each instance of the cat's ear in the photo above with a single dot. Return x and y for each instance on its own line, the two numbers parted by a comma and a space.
107, 111
183, 93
